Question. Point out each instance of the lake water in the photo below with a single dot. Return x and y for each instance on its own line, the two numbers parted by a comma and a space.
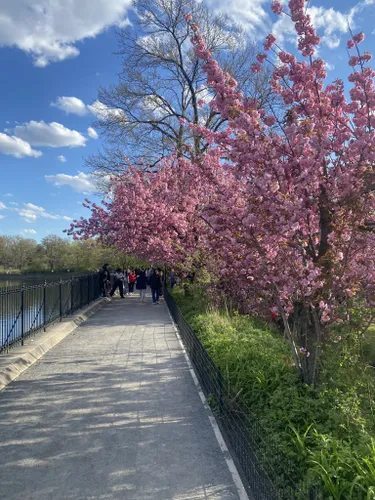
29, 308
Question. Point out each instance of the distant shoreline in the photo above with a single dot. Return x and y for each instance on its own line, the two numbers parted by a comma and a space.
4, 276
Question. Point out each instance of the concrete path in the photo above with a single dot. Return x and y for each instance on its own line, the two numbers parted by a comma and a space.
111, 413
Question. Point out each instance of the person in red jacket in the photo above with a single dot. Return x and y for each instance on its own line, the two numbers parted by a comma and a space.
132, 279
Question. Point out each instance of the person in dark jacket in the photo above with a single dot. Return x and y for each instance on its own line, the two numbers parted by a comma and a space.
141, 284
105, 280
155, 285
118, 282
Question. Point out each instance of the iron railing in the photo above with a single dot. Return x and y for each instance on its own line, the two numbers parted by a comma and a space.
25, 309
247, 440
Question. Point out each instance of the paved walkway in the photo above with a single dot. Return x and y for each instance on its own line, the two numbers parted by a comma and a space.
111, 412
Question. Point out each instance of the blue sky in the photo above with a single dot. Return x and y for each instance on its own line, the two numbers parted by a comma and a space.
53, 60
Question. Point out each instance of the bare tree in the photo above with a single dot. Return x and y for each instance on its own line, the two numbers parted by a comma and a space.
162, 82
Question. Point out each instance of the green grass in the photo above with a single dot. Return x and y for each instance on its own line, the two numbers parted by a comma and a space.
326, 433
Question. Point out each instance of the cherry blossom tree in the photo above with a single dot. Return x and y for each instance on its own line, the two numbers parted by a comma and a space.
282, 208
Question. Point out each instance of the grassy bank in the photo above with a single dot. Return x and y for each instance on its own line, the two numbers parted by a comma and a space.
327, 433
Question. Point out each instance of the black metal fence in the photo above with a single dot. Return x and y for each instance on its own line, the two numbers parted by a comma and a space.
27, 309
246, 438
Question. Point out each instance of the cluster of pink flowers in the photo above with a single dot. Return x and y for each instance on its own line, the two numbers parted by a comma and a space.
277, 7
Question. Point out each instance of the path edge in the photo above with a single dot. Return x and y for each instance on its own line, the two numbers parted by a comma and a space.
58, 332
242, 493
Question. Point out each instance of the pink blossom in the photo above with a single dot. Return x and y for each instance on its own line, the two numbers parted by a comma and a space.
256, 67
366, 57
350, 44
270, 40
269, 120
276, 7
261, 57
359, 37
353, 61
304, 351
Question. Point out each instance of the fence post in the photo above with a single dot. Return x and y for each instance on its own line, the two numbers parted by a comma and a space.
80, 292
60, 299
44, 305
88, 290
71, 296
22, 313
220, 390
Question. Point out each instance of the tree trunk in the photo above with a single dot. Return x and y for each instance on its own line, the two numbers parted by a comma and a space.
306, 332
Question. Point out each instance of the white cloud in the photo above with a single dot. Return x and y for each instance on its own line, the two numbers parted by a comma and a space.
329, 66
14, 203
28, 231
155, 106
2, 217
92, 133
331, 23
2, 206
61, 158
71, 105
81, 182
103, 112
49, 30
75, 106
11, 145
251, 14
9, 195
204, 94
30, 213
51, 134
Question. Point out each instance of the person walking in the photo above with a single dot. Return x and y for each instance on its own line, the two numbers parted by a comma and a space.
105, 280
118, 282
141, 285
132, 279
155, 284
